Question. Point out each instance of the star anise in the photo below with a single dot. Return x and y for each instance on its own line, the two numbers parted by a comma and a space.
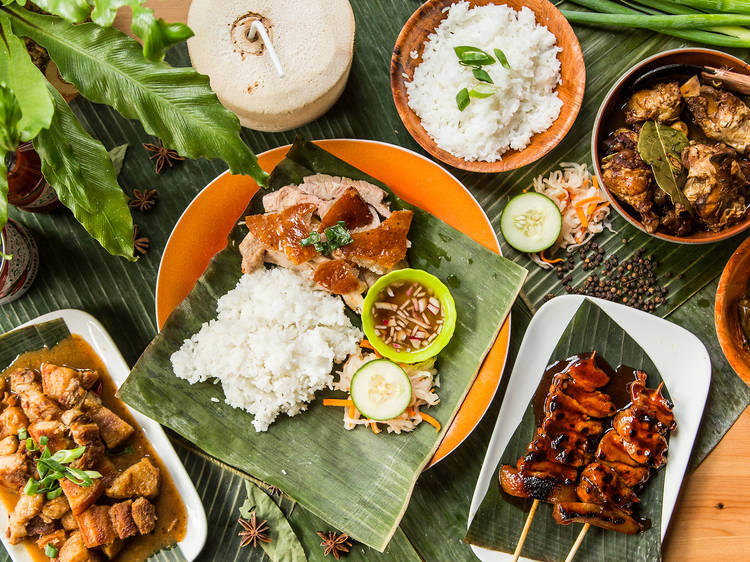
253, 531
334, 543
140, 243
162, 154
274, 491
143, 199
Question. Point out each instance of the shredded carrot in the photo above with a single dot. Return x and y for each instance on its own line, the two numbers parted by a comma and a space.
588, 200
582, 218
602, 206
541, 257
352, 411
375, 428
596, 182
579, 237
337, 402
429, 419
586, 183
367, 345
590, 210
410, 411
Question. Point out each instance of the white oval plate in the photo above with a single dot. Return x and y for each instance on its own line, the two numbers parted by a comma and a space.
89, 328
680, 357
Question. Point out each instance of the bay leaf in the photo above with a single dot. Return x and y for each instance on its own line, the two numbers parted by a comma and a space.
661, 147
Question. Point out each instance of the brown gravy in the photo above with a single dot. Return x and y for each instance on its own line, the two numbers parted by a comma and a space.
171, 524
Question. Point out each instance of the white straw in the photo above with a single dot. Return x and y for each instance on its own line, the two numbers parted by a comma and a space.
258, 27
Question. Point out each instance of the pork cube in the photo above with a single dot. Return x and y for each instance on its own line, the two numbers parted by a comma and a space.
55, 509
53, 430
8, 445
113, 429
144, 515
26, 508
122, 519
69, 522
11, 420
63, 384
81, 498
38, 526
36, 405
14, 470
141, 479
95, 526
75, 551
55, 538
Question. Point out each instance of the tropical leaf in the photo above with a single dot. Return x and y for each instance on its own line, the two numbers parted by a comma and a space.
82, 174
10, 116
73, 11
174, 104
156, 34
284, 545
30, 338
18, 73
500, 518
341, 474
661, 147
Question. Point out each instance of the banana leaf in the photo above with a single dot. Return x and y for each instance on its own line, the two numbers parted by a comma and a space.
356, 481
500, 518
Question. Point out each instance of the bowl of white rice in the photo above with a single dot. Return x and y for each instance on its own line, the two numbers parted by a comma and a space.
497, 114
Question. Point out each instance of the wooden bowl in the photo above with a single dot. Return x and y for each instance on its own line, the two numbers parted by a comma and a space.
732, 287
573, 74
611, 108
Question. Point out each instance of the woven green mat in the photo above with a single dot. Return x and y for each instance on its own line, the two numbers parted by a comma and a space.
76, 273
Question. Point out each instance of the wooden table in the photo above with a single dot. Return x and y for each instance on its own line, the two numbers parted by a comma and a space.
712, 519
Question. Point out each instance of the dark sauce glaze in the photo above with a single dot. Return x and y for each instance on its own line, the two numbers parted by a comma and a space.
618, 388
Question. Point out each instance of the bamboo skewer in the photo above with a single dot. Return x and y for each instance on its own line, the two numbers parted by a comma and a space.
522, 538
578, 542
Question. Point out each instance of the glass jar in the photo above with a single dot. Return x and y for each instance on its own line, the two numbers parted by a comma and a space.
18, 272
27, 188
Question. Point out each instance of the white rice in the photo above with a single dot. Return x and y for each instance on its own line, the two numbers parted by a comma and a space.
272, 346
526, 102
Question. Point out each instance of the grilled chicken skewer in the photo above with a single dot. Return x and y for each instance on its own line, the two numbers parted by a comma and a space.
626, 457
564, 442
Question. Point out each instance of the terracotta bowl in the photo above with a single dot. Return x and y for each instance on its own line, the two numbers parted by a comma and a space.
611, 108
424, 21
732, 287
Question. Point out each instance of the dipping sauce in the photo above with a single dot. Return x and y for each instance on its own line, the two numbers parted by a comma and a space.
408, 316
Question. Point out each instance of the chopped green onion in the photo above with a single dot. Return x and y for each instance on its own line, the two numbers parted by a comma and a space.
686, 21
472, 56
482, 91
482, 75
30, 445
67, 455
23, 434
502, 59
93, 474
31, 487
51, 495
336, 236
462, 99
50, 550
43, 440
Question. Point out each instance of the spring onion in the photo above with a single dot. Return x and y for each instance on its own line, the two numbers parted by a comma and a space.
655, 7
502, 59
462, 99
707, 35
686, 21
50, 550
51, 468
23, 434
335, 237
733, 6
482, 75
472, 56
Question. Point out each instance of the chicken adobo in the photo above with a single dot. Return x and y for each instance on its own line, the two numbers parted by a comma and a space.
79, 479
681, 162
300, 220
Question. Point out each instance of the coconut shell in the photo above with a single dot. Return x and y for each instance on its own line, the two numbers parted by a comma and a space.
314, 41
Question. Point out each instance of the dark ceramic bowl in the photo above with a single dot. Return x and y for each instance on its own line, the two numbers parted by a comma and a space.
610, 116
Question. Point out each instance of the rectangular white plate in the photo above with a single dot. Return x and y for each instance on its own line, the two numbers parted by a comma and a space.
680, 357
89, 328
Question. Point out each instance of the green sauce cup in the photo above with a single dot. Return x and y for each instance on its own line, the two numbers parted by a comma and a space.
442, 293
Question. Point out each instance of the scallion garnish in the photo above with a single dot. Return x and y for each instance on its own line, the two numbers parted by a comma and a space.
482, 75
43, 440
50, 550
23, 434
335, 237
54, 494
472, 56
482, 91
52, 467
502, 59
462, 99
30, 445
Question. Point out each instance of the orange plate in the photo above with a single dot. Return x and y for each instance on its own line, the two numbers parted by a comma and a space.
205, 225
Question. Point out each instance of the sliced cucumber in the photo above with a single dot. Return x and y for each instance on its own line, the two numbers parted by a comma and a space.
531, 222
381, 390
